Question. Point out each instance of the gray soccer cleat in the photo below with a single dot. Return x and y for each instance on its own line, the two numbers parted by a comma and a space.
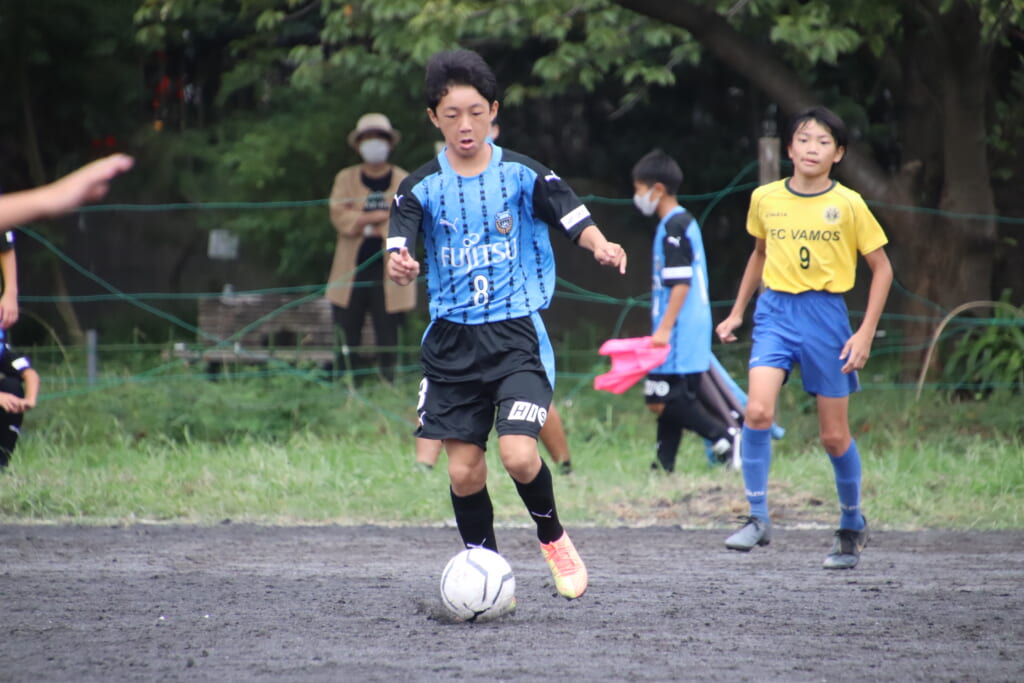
755, 531
846, 548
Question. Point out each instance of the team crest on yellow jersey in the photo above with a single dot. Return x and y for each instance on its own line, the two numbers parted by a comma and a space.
831, 215
503, 222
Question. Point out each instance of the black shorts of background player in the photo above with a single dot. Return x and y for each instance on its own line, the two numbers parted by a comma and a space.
676, 400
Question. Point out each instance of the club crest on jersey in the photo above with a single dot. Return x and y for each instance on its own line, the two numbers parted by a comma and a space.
831, 214
503, 222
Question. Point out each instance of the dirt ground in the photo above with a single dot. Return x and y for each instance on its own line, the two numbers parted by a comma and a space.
240, 602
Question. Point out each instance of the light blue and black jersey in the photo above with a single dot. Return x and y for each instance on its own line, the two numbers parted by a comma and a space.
12, 364
678, 259
488, 252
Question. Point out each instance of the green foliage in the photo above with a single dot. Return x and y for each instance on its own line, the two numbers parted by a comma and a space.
816, 33
69, 77
379, 48
990, 355
226, 408
279, 52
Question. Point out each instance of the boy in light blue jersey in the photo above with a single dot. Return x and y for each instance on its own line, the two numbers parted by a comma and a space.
680, 314
484, 213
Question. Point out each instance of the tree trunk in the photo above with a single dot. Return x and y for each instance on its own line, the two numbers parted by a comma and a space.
39, 177
968, 187
947, 259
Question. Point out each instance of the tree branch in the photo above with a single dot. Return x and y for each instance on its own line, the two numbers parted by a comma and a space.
302, 11
764, 70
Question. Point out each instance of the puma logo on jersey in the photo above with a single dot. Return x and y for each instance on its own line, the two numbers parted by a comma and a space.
673, 240
551, 176
448, 224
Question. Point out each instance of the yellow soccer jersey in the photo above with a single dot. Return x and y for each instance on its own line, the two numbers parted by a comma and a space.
812, 241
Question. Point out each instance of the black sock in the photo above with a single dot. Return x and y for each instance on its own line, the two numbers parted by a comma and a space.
474, 516
10, 425
670, 434
539, 496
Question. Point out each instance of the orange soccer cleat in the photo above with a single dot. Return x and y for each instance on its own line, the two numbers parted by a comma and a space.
567, 568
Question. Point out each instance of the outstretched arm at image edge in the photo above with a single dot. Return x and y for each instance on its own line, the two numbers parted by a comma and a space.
87, 184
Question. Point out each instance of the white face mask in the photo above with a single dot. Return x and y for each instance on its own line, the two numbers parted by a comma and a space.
374, 150
645, 203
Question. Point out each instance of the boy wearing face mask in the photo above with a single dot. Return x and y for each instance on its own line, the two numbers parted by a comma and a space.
680, 314
357, 286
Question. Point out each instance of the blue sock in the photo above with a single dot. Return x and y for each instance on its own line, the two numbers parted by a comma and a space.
847, 471
757, 458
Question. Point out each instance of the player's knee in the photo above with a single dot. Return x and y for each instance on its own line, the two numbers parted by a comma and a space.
759, 415
521, 459
835, 441
469, 477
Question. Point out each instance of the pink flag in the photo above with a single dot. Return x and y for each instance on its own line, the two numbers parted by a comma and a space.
631, 359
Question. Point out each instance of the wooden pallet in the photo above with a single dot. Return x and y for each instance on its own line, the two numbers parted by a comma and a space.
256, 328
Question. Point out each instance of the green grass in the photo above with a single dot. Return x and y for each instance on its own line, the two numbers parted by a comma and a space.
293, 448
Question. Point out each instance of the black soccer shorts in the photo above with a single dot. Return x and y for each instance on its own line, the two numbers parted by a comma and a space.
481, 376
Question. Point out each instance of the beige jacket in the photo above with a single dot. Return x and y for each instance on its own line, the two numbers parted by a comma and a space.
347, 199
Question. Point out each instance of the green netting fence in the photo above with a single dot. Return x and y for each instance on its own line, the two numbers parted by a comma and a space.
575, 351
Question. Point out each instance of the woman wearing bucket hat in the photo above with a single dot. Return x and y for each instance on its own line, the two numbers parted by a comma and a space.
357, 286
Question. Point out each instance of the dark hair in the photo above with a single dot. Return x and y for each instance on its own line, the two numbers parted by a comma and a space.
826, 117
658, 167
458, 67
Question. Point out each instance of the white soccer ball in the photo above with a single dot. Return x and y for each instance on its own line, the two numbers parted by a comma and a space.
478, 585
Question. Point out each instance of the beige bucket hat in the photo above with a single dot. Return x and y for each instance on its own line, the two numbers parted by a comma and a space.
376, 123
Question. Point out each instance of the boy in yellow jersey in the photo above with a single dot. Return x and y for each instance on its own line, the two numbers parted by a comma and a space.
808, 230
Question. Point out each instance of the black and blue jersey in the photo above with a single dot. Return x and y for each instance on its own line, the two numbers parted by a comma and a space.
678, 259
488, 252
12, 364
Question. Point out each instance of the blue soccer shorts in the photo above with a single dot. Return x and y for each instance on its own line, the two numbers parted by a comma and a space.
807, 329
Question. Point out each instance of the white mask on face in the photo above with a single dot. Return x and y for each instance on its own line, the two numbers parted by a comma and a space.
645, 203
374, 150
